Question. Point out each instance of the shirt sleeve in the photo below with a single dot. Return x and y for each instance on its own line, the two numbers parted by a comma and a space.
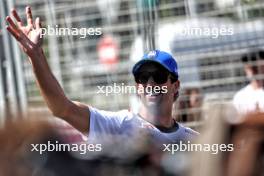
185, 134
105, 122
235, 101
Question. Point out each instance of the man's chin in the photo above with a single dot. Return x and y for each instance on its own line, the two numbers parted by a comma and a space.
152, 103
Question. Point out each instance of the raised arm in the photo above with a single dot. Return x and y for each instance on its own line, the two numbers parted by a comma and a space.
29, 38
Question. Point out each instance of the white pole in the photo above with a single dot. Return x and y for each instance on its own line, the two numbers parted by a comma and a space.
18, 67
53, 43
192, 8
12, 104
2, 95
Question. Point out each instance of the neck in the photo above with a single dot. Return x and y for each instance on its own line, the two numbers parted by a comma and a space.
157, 116
256, 84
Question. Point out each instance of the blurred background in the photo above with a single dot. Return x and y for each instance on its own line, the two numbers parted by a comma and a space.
209, 64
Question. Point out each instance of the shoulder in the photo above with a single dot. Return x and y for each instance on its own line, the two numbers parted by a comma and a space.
122, 114
242, 93
106, 122
186, 131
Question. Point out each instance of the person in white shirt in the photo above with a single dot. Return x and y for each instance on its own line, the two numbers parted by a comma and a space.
156, 69
250, 99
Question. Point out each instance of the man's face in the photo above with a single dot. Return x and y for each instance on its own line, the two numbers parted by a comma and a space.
154, 85
256, 70
261, 67
261, 71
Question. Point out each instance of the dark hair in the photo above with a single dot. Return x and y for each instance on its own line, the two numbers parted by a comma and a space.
253, 56
173, 78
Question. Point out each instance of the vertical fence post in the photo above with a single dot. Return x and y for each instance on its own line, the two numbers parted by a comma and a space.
53, 43
19, 73
2, 94
11, 103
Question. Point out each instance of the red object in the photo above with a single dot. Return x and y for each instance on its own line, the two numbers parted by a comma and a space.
108, 51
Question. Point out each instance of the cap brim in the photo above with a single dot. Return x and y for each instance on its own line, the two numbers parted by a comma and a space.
145, 61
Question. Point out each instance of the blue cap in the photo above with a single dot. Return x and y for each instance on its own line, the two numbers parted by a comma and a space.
162, 58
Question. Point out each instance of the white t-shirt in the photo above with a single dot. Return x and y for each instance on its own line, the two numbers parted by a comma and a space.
248, 100
127, 124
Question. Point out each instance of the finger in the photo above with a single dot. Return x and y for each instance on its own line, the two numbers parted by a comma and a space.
37, 23
27, 44
25, 41
11, 22
20, 36
14, 13
13, 32
29, 16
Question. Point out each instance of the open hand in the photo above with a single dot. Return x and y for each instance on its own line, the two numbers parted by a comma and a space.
28, 36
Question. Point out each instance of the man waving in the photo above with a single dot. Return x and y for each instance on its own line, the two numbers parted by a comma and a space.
156, 74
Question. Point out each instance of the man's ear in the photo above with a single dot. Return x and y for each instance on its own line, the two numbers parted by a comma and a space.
249, 70
138, 87
176, 89
177, 85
